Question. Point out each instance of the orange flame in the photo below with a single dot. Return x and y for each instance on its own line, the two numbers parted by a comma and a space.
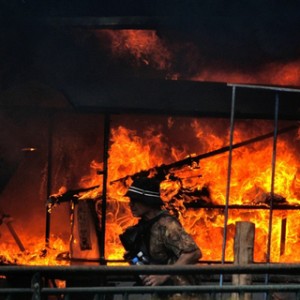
250, 185
143, 46
146, 47
35, 254
251, 170
274, 74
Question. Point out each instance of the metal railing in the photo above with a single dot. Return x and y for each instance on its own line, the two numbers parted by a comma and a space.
38, 278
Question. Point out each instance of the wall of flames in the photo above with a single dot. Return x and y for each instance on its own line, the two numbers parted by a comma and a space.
134, 148
171, 139
251, 166
250, 184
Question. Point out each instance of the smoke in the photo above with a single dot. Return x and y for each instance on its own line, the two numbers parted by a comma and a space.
239, 37
10, 150
199, 37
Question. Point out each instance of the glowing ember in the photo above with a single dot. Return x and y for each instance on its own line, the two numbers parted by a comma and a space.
143, 46
147, 48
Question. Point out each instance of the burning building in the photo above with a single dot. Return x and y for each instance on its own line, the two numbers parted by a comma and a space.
207, 99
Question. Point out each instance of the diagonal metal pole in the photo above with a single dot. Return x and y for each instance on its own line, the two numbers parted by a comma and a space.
104, 197
226, 211
49, 178
13, 233
269, 242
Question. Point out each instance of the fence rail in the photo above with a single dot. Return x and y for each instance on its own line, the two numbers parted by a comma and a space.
38, 278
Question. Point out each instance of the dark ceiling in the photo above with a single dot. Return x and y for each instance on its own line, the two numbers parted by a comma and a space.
50, 56
38, 44
239, 32
180, 8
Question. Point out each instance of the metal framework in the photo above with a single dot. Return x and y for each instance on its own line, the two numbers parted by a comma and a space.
41, 276
277, 91
230, 148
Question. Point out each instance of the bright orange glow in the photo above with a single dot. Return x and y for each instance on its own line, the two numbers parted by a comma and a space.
147, 48
287, 74
142, 47
250, 184
35, 254
251, 170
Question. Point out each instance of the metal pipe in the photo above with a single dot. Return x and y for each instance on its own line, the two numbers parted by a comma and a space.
241, 206
274, 152
16, 290
104, 189
49, 178
160, 289
263, 87
15, 236
177, 289
59, 271
226, 211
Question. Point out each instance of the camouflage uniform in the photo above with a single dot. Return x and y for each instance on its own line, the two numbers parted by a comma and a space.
167, 241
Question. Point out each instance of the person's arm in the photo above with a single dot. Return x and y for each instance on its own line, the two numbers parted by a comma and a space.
184, 259
189, 258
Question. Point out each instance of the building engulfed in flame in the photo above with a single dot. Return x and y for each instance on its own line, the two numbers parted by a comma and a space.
196, 191
92, 107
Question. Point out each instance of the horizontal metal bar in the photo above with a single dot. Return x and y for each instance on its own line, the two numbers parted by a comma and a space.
263, 87
53, 271
16, 290
60, 272
176, 289
242, 206
159, 289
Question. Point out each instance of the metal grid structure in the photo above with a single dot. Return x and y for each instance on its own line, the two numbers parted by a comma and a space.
39, 277
230, 148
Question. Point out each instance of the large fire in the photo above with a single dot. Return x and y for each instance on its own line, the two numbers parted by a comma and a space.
192, 188
250, 185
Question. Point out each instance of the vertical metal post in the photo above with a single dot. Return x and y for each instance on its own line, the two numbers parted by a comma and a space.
232, 119
104, 190
49, 177
36, 286
67, 296
276, 113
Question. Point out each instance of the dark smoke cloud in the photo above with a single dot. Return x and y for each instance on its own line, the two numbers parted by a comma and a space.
242, 36
233, 36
